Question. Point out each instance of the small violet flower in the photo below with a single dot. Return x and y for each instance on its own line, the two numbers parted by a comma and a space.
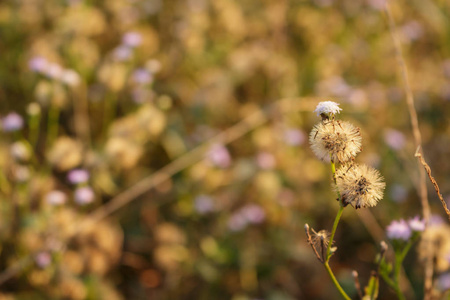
78, 176
416, 224
203, 204
38, 64
253, 213
219, 156
84, 195
327, 107
398, 230
12, 122
142, 76
122, 53
394, 139
237, 222
444, 281
265, 160
43, 259
132, 39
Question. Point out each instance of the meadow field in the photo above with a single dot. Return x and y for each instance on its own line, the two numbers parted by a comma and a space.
157, 149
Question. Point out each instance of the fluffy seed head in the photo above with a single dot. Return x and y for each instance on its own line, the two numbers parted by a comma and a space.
359, 185
327, 108
339, 138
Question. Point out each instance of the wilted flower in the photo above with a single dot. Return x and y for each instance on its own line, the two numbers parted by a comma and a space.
78, 176
359, 185
327, 108
12, 122
321, 238
398, 230
84, 195
340, 139
56, 198
416, 224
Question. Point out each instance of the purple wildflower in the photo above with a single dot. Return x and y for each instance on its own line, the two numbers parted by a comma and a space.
78, 176
43, 259
444, 281
253, 213
84, 195
416, 224
237, 221
394, 139
132, 39
398, 230
12, 122
122, 53
219, 156
142, 76
203, 204
38, 64
265, 160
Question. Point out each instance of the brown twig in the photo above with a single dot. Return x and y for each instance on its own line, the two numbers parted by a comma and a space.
433, 181
310, 242
418, 141
357, 284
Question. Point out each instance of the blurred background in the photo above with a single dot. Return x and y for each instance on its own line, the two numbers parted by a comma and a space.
97, 95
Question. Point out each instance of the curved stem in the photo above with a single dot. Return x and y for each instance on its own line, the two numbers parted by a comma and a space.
336, 283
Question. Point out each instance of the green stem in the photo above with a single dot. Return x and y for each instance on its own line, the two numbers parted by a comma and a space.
333, 231
336, 283
330, 242
398, 264
399, 257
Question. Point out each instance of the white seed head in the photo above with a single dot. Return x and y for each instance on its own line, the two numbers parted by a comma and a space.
359, 185
327, 107
339, 138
